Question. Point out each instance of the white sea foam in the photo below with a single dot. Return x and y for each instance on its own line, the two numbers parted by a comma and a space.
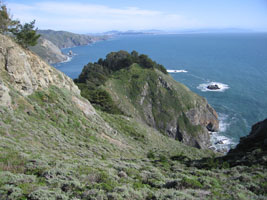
176, 71
69, 58
204, 87
219, 141
223, 124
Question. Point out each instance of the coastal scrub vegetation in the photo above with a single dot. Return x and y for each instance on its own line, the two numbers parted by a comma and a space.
134, 85
54, 145
94, 75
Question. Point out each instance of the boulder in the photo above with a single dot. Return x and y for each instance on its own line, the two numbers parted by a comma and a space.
213, 87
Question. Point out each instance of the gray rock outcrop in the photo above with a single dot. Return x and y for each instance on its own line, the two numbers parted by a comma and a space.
48, 51
27, 72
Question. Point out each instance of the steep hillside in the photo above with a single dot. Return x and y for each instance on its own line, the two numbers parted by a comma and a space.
55, 145
50, 43
64, 39
48, 51
142, 89
252, 149
26, 72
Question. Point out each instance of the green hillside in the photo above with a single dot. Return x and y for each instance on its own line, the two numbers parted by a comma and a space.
55, 145
139, 87
51, 42
64, 39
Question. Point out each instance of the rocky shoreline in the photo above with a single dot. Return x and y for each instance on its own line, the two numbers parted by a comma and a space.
51, 43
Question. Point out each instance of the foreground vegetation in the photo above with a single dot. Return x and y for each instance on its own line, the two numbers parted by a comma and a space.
50, 150
55, 146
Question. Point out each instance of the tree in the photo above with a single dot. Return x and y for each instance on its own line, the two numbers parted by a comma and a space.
145, 61
6, 23
25, 34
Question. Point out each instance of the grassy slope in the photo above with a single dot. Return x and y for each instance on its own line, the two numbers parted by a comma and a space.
50, 150
126, 84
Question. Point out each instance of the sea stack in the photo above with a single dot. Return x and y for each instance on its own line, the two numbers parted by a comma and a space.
213, 87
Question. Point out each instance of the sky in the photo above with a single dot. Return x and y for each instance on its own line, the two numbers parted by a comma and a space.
95, 16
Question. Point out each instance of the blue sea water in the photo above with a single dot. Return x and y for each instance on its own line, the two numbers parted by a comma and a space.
236, 62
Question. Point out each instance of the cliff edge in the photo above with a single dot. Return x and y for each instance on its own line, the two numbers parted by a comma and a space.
252, 149
26, 72
142, 89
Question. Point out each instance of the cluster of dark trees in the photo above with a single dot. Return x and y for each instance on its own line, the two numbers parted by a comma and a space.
95, 74
122, 59
24, 34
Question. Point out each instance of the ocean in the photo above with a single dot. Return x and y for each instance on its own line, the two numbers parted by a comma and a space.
237, 63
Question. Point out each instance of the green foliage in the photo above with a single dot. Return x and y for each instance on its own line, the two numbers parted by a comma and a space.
145, 61
64, 39
225, 165
99, 98
11, 161
96, 74
191, 183
151, 155
93, 74
64, 161
5, 19
99, 71
25, 34
186, 125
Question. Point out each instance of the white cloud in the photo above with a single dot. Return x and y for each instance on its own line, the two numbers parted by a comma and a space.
78, 17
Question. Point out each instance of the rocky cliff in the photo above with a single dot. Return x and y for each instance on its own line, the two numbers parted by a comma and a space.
48, 51
152, 96
51, 42
26, 72
251, 149
64, 39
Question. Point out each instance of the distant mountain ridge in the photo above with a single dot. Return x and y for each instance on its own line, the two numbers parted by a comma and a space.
64, 39
50, 43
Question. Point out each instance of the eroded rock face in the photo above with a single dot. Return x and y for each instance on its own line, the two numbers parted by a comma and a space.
201, 114
27, 72
84, 106
204, 115
48, 51
5, 99
252, 149
257, 138
170, 107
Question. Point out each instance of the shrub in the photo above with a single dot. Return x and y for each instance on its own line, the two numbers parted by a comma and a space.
151, 155
11, 161
191, 183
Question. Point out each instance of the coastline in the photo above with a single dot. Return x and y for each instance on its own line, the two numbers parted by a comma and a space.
220, 142
69, 58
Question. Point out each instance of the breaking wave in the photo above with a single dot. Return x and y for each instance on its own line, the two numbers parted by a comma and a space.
176, 71
204, 87
219, 141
